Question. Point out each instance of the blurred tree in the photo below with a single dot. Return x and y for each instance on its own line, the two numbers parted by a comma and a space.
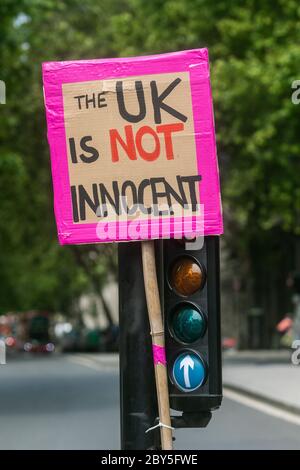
35, 272
255, 58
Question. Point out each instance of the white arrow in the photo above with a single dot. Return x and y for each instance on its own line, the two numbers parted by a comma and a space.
186, 363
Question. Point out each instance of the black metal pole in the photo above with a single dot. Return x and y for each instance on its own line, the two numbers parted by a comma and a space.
137, 383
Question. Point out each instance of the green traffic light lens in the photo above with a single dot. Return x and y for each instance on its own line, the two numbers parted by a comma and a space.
188, 324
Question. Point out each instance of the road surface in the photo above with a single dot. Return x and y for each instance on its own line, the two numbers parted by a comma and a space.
71, 402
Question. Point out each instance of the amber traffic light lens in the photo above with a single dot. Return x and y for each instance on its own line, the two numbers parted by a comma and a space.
186, 276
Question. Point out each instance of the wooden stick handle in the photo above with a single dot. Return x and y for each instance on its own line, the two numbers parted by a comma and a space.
158, 341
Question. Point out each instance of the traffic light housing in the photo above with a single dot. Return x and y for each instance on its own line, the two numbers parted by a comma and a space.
191, 298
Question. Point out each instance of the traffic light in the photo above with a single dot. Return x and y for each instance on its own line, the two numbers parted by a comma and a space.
192, 324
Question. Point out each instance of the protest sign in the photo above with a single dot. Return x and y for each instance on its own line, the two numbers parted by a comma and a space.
132, 145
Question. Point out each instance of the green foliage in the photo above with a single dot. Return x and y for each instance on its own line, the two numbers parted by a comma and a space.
255, 56
254, 59
35, 272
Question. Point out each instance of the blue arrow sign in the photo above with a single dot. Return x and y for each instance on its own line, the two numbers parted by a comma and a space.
188, 371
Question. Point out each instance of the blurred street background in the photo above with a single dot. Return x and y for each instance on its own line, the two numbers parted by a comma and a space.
59, 305
72, 402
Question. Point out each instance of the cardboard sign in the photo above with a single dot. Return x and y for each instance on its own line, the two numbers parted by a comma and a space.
132, 146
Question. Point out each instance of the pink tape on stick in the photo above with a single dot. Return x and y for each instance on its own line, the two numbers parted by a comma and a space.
159, 354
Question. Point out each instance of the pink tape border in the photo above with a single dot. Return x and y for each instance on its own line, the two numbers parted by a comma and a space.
194, 61
159, 354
